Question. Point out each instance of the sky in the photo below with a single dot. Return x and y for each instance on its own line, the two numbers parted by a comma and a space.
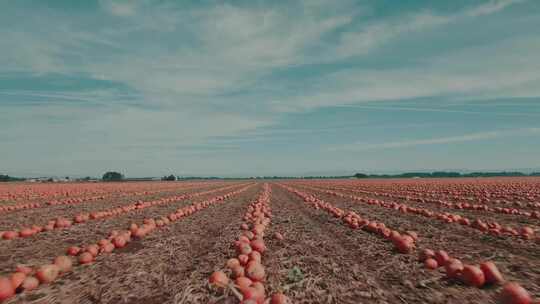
237, 88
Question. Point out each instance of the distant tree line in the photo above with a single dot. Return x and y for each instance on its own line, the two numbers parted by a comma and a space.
116, 176
303, 177
202, 178
7, 178
445, 174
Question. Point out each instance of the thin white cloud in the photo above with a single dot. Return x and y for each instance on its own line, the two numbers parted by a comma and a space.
479, 136
121, 8
96, 95
395, 108
367, 37
370, 36
490, 7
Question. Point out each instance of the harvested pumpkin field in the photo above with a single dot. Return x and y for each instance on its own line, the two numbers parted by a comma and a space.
298, 241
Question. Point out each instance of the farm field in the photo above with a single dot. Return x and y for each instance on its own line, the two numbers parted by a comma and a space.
272, 241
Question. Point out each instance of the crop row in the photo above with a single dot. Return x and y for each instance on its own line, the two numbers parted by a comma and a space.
247, 268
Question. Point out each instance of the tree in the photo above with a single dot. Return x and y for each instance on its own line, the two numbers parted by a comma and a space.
112, 176
169, 178
361, 175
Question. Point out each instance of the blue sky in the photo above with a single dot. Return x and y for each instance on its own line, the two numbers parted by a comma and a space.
268, 87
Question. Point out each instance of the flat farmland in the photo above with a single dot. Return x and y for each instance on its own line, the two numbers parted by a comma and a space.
272, 241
